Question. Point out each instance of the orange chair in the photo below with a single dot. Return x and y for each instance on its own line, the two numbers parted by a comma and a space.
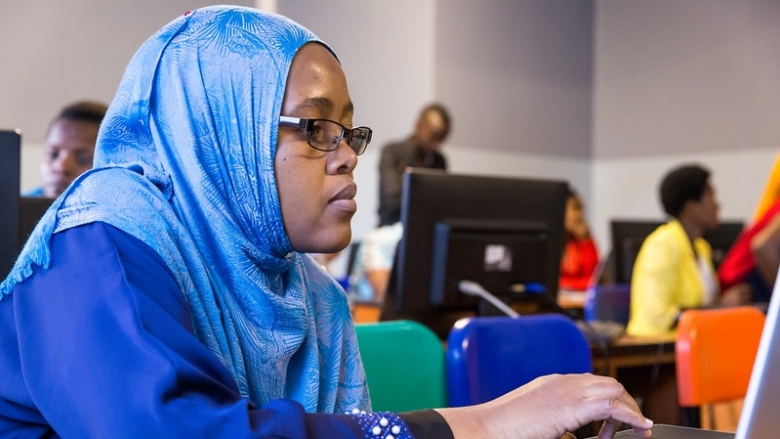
715, 351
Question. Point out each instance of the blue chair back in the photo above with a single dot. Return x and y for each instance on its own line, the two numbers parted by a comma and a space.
608, 303
490, 356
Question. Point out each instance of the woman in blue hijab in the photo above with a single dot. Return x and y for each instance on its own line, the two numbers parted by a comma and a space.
166, 293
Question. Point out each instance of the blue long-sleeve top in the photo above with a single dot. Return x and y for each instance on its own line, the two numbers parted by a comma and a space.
101, 345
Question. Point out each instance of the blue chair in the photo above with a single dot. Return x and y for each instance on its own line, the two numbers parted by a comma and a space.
608, 303
404, 364
490, 356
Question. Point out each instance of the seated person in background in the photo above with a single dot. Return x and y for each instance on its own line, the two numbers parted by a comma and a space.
325, 260
328, 263
373, 263
174, 298
753, 261
673, 269
69, 147
771, 191
580, 255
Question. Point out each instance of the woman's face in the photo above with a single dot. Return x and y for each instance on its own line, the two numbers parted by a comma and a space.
316, 189
573, 217
706, 209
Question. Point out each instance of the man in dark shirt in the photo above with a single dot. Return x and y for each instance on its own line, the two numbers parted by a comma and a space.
421, 149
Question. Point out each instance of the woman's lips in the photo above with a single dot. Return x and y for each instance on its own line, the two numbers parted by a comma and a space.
345, 199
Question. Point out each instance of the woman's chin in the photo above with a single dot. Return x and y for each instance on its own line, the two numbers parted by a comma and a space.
333, 243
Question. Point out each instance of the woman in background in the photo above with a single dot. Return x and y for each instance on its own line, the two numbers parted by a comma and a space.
673, 269
752, 261
580, 255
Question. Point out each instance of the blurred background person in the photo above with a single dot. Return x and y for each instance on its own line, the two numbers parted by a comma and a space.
752, 262
674, 269
421, 149
580, 255
370, 271
69, 146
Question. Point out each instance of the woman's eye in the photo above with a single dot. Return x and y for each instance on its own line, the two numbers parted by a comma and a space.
317, 132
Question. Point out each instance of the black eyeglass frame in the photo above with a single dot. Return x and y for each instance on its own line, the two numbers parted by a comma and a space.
307, 124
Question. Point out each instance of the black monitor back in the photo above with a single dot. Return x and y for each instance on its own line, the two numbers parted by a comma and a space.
10, 175
628, 236
31, 209
722, 238
20, 214
449, 220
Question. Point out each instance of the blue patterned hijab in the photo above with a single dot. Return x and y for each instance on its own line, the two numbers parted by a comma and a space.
185, 163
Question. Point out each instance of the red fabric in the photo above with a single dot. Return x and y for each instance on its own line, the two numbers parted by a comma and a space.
739, 262
580, 258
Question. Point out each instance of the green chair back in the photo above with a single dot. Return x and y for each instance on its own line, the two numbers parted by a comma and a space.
404, 364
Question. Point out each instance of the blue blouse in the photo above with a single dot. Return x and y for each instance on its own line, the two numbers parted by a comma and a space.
92, 350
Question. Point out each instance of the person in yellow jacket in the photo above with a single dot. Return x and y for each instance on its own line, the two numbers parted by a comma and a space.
673, 269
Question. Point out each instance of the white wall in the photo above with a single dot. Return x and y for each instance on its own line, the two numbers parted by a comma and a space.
693, 75
517, 74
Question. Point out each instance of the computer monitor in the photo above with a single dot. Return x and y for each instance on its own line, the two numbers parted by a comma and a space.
722, 238
31, 210
20, 214
628, 236
504, 233
10, 164
627, 239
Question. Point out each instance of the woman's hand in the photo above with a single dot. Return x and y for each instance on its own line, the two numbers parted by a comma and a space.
548, 407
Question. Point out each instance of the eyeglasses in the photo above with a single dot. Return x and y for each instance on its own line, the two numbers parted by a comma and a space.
325, 135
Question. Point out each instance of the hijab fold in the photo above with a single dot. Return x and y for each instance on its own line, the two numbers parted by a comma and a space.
184, 162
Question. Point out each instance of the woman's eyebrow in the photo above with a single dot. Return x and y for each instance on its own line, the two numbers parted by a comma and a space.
349, 108
324, 105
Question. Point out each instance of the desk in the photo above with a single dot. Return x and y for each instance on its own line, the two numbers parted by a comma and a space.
568, 299
573, 303
630, 351
365, 311
646, 367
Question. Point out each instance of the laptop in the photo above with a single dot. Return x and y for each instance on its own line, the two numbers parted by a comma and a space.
662, 431
759, 418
